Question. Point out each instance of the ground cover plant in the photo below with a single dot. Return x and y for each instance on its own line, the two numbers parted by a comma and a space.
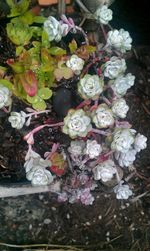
66, 98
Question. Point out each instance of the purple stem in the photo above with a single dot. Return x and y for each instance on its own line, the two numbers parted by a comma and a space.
40, 128
37, 113
104, 32
101, 132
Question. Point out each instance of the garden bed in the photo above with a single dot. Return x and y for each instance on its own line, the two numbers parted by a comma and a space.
108, 224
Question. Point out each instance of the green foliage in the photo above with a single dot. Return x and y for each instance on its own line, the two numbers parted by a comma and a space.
38, 101
17, 9
6, 83
19, 33
57, 51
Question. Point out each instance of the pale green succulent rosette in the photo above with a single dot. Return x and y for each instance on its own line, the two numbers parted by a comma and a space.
90, 87
103, 116
77, 124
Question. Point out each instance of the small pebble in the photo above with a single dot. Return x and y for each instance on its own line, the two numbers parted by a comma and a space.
53, 208
100, 217
88, 223
41, 197
47, 221
30, 226
68, 216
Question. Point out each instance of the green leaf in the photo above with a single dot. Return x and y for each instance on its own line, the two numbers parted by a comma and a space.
39, 19
90, 48
57, 51
19, 50
73, 46
34, 99
10, 3
27, 18
45, 39
45, 93
41, 105
6, 83
18, 8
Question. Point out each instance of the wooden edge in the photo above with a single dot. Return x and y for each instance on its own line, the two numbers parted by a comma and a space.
17, 190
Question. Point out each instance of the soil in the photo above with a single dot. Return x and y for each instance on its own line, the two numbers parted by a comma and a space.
108, 224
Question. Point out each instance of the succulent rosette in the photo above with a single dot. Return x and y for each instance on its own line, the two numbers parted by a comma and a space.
102, 117
123, 139
120, 40
76, 147
17, 119
103, 14
77, 124
122, 84
53, 29
105, 171
93, 149
5, 96
39, 176
114, 67
123, 192
90, 87
140, 142
75, 64
120, 108
126, 159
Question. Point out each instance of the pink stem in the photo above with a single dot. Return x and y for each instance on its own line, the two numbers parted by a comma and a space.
54, 149
106, 100
85, 102
5, 109
123, 124
104, 32
37, 113
101, 132
40, 128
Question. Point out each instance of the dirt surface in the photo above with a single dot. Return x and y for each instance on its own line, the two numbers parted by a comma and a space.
108, 224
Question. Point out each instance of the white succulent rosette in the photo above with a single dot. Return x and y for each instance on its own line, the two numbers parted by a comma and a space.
120, 108
53, 28
33, 159
75, 64
93, 149
90, 87
77, 124
123, 139
114, 67
140, 142
103, 116
122, 84
126, 159
39, 176
123, 192
103, 14
5, 96
76, 147
17, 119
105, 171
119, 39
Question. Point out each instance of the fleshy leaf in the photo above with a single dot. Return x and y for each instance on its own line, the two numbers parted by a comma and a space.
17, 8
45, 93
29, 83
41, 105
6, 83
73, 46
45, 39
33, 100
19, 50
64, 72
57, 51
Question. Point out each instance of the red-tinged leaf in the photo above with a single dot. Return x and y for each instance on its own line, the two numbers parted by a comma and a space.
29, 83
57, 170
